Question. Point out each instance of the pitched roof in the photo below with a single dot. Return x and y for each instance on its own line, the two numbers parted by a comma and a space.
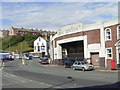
33, 30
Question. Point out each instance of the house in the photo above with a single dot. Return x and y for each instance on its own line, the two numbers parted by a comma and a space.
99, 43
41, 47
23, 31
4, 33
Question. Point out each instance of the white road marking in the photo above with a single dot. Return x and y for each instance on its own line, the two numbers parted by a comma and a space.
2, 66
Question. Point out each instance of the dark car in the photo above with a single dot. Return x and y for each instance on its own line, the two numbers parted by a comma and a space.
30, 57
43, 60
68, 63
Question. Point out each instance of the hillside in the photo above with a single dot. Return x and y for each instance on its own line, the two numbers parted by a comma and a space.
20, 47
18, 43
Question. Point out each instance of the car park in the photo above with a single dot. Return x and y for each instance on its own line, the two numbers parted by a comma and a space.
82, 66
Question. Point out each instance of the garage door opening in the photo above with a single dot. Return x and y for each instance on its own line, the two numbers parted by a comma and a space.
73, 50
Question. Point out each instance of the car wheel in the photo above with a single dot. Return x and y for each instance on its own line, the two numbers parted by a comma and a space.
83, 69
74, 68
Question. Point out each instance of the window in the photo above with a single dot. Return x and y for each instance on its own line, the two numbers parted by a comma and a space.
38, 48
78, 63
39, 39
118, 32
42, 47
108, 34
75, 62
38, 44
109, 53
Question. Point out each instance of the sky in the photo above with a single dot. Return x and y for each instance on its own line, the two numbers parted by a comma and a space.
55, 15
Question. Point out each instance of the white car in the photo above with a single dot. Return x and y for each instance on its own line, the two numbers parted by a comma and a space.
82, 65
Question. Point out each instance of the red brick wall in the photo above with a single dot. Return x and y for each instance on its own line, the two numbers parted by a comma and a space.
108, 63
113, 41
93, 36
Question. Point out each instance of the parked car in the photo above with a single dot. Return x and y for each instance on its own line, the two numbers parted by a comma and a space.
68, 63
82, 66
29, 58
43, 60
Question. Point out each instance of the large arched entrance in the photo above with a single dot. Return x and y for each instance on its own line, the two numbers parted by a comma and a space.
73, 50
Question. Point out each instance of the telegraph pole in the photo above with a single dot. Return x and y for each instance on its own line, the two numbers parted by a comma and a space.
9, 47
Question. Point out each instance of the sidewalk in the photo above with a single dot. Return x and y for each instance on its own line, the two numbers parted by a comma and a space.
107, 70
97, 69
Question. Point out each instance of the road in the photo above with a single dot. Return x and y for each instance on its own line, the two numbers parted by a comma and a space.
35, 75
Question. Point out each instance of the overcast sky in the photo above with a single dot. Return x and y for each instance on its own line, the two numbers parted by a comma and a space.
55, 15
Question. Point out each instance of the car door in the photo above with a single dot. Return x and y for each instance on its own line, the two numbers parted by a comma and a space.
79, 65
75, 65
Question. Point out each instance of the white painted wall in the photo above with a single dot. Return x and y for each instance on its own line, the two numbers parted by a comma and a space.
1, 34
39, 42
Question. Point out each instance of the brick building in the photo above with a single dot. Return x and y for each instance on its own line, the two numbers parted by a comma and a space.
98, 43
23, 31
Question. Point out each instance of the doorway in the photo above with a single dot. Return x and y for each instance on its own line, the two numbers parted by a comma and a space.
95, 59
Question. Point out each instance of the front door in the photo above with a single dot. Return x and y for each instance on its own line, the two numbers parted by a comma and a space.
95, 59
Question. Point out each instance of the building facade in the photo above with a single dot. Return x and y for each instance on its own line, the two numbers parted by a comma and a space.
4, 33
98, 43
23, 31
41, 46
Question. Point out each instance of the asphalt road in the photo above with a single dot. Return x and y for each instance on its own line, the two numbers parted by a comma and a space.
35, 75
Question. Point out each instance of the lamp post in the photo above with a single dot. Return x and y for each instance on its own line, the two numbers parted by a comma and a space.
9, 47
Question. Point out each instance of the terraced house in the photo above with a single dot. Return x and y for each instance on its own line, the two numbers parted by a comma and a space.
99, 43
23, 31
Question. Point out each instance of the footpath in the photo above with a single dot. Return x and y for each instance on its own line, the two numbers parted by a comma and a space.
97, 69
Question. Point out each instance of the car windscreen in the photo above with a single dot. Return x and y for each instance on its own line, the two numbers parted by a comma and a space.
44, 59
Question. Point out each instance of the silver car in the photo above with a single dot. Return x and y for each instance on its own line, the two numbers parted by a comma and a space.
82, 65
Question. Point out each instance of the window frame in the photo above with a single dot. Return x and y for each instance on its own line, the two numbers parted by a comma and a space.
118, 32
106, 39
109, 53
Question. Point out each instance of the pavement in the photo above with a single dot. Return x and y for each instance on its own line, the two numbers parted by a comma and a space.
97, 69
